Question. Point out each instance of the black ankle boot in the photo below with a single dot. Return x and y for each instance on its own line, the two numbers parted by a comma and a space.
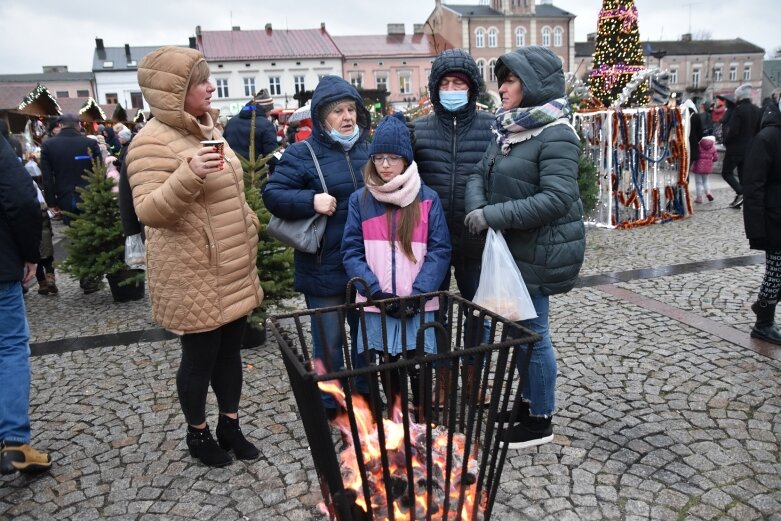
765, 327
203, 447
229, 436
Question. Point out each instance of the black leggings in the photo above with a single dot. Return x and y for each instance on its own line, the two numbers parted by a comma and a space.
211, 357
771, 283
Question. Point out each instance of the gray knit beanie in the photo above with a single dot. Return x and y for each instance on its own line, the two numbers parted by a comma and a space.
743, 92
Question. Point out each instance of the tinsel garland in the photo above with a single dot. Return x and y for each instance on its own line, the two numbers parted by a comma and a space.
644, 160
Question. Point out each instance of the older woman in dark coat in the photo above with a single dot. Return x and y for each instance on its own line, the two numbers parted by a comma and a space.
762, 218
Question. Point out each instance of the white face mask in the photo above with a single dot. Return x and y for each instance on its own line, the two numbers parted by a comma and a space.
346, 141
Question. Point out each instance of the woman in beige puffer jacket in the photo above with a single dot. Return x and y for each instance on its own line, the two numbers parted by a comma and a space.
201, 243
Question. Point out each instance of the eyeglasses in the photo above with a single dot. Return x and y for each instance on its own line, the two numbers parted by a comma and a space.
392, 160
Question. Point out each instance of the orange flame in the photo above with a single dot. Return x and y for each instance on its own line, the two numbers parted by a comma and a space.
462, 476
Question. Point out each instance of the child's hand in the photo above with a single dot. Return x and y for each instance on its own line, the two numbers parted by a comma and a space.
391, 308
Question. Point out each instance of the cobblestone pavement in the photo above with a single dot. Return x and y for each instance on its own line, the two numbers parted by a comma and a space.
666, 409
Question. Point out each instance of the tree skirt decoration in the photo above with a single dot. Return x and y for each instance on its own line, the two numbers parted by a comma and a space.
642, 156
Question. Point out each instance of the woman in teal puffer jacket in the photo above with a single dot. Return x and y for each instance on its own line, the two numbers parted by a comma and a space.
527, 186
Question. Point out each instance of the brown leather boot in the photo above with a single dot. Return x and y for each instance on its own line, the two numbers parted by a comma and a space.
23, 458
52, 285
43, 287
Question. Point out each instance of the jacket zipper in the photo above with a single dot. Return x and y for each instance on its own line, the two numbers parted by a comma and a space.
453, 162
393, 251
350, 166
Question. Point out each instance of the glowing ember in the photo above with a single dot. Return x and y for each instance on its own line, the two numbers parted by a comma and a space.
462, 483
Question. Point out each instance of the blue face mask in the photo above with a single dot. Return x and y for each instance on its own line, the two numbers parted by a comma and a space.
346, 141
453, 100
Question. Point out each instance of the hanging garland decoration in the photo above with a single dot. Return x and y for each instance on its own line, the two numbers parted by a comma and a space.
643, 160
91, 106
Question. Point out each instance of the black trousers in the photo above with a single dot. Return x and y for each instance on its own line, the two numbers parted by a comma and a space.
211, 357
727, 169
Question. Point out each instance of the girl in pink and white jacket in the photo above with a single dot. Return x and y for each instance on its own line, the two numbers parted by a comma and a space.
397, 240
703, 167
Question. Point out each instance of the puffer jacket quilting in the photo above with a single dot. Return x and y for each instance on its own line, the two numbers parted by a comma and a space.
201, 235
289, 192
448, 145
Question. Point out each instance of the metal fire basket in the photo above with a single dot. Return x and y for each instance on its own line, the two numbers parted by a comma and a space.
415, 436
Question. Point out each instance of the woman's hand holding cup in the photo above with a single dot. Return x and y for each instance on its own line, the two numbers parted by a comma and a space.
208, 159
325, 204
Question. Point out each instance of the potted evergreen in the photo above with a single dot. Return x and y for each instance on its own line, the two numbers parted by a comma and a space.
274, 260
96, 243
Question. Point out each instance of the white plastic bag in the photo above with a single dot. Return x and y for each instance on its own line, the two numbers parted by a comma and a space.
501, 287
135, 252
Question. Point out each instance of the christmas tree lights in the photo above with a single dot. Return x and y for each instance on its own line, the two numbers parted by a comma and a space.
617, 53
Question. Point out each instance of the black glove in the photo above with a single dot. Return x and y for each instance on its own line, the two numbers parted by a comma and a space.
412, 307
391, 308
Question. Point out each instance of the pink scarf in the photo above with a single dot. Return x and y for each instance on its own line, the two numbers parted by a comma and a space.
399, 191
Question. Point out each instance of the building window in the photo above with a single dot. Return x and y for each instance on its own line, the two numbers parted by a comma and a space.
520, 37
746, 72
480, 38
62, 94
696, 77
492, 70
717, 73
405, 83
356, 79
381, 80
481, 68
82, 94
136, 100
249, 86
111, 98
546, 36
274, 86
673, 76
558, 37
492, 37
298, 83
222, 88
733, 73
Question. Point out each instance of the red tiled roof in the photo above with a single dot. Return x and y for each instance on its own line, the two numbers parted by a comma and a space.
262, 44
12, 94
386, 45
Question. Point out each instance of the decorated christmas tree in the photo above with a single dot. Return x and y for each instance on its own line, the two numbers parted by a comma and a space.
617, 53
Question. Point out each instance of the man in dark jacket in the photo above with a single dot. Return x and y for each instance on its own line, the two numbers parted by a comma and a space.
20, 236
239, 128
762, 218
448, 144
64, 159
741, 126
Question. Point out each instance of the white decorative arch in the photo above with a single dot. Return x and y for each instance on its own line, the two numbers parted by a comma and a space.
520, 36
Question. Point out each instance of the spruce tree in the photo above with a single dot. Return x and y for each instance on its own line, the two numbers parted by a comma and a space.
617, 53
274, 260
96, 243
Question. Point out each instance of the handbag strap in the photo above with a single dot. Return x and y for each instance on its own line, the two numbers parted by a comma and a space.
317, 165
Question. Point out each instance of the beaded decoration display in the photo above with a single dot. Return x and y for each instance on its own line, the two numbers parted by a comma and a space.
643, 160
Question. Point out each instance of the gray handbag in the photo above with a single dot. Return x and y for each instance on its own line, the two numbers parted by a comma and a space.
302, 234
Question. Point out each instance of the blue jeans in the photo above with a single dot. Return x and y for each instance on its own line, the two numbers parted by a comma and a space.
540, 386
329, 329
14, 365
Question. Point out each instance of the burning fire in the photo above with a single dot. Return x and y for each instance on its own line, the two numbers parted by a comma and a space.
462, 480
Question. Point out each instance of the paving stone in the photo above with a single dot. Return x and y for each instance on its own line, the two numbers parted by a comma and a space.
656, 419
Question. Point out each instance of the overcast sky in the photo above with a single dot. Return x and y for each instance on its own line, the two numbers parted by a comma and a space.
55, 32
